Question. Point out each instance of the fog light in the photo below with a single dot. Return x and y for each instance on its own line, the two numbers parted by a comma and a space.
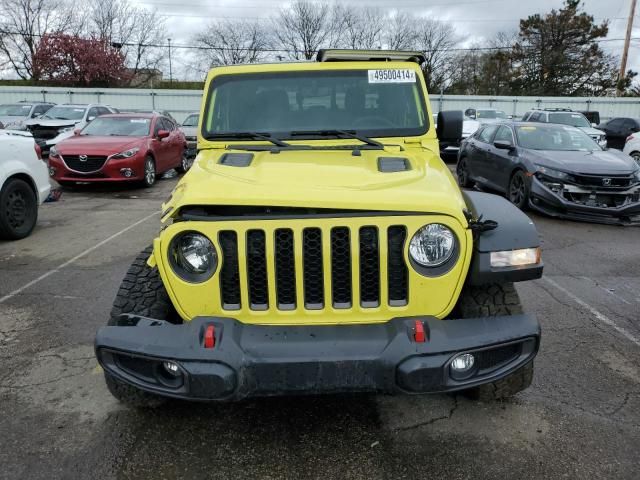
171, 368
127, 172
463, 363
52, 171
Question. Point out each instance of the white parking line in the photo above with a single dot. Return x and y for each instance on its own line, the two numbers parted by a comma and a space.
600, 316
74, 259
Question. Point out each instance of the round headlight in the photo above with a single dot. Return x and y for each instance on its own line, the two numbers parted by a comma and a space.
193, 257
433, 245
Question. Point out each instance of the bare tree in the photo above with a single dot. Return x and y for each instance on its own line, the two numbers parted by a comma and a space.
302, 28
139, 33
228, 42
436, 39
24, 23
360, 27
400, 31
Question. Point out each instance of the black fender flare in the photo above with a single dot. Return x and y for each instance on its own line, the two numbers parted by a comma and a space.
514, 231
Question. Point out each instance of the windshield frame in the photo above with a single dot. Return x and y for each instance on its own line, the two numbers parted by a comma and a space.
219, 79
559, 127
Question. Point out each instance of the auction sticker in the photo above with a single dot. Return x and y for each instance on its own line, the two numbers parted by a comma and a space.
392, 76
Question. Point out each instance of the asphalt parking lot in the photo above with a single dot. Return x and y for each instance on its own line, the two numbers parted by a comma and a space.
580, 418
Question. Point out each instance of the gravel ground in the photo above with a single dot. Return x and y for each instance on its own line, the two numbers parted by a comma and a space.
580, 418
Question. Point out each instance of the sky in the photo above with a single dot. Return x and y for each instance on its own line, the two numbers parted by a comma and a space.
476, 21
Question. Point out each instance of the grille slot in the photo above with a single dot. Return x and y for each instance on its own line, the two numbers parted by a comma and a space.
369, 267
341, 267
92, 163
257, 270
230, 272
397, 269
285, 269
312, 267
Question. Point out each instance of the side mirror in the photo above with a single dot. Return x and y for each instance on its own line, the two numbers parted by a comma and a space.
449, 125
76, 131
90, 118
504, 145
36, 115
162, 134
594, 125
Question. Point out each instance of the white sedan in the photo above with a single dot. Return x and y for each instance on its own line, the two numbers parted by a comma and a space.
24, 184
632, 147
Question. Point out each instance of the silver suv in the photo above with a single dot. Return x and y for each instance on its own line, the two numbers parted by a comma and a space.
566, 116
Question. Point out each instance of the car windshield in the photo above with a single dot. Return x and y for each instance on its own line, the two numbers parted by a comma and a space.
373, 103
118, 127
65, 113
14, 110
486, 114
568, 118
555, 138
191, 121
501, 114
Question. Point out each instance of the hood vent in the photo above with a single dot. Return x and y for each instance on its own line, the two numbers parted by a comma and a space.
393, 164
236, 159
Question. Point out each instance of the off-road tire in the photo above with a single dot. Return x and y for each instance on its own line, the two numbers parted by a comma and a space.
494, 300
142, 293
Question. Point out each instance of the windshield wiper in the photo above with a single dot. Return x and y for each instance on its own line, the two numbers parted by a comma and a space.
339, 134
247, 136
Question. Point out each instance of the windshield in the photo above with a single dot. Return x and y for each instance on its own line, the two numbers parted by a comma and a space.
118, 126
567, 118
555, 138
486, 114
65, 113
14, 110
191, 121
501, 114
373, 103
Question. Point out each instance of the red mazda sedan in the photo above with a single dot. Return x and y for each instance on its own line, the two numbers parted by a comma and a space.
120, 147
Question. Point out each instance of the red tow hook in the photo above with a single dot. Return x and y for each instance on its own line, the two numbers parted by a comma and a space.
419, 335
209, 337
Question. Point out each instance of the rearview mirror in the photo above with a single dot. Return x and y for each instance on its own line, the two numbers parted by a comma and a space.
162, 134
449, 125
503, 145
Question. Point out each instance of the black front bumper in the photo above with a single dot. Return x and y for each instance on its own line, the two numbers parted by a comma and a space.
545, 201
253, 360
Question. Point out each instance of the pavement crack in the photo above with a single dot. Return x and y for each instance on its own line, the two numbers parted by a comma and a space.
431, 421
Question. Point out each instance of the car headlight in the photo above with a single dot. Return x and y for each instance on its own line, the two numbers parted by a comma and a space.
193, 257
433, 245
553, 173
17, 125
127, 153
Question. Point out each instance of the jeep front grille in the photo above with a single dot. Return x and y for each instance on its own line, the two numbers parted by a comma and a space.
274, 261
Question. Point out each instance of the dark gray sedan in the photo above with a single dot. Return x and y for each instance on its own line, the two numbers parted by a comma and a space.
554, 169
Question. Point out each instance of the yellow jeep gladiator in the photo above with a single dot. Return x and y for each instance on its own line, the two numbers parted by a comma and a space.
319, 245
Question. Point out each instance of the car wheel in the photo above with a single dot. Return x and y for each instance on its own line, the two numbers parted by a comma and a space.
518, 192
141, 293
18, 210
149, 172
185, 163
462, 172
492, 300
636, 157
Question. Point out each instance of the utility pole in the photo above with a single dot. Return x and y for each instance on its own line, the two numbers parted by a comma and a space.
170, 72
627, 40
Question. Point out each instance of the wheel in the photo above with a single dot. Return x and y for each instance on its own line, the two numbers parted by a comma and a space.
518, 191
462, 172
149, 172
18, 209
185, 163
636, 157
494, 300
142, 293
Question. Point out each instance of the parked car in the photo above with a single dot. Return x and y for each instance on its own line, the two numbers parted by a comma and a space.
119, 147
14, 115
59, 122
190, 129
302, 255
565, 116
485, 114
618, 130
554, 169
24, 184
632, 147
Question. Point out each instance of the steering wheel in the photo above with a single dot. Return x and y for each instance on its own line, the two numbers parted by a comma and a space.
373, 120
